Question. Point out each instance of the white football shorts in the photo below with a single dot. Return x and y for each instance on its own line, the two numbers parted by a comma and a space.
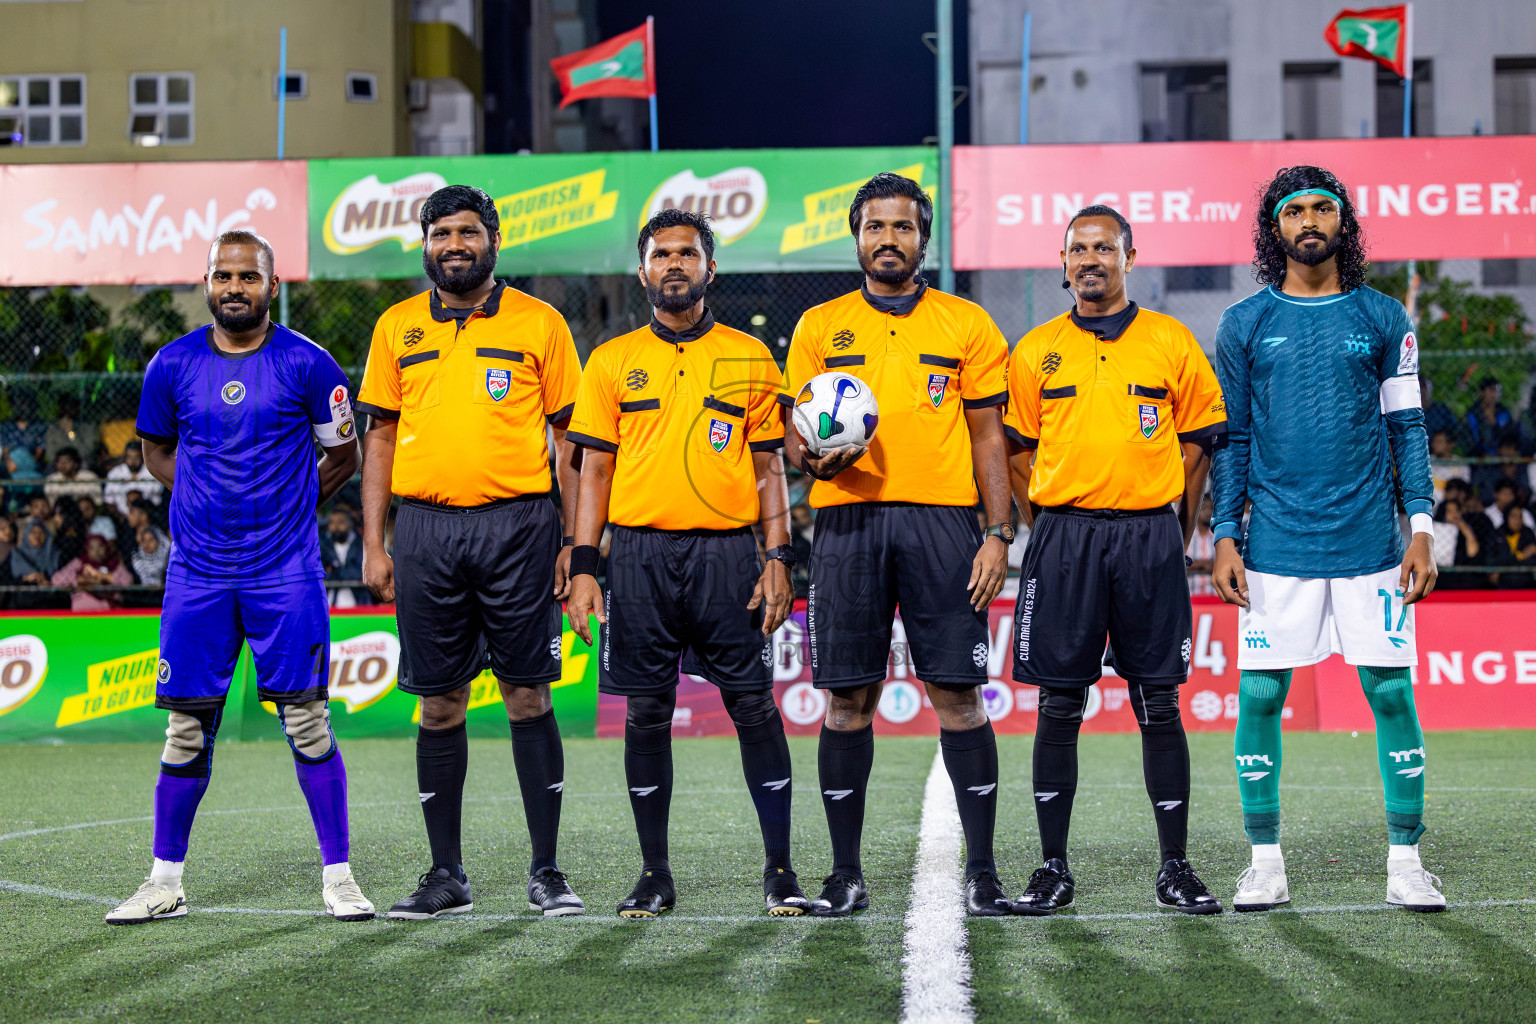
1291, 621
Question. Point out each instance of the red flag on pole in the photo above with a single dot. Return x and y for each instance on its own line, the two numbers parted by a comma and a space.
1376, 33
620, 66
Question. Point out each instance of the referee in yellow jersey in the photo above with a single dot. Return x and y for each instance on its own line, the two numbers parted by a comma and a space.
681, 426
895, 526
460, 384
1113, 410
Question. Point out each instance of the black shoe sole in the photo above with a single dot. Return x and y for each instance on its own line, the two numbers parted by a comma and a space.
1200, 911
987, 912
1252, 908
862, 904
412, 915
1029, 910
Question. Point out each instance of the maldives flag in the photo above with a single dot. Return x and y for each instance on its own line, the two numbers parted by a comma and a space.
621, 66
1381, 34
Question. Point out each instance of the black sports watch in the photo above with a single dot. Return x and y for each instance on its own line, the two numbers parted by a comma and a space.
1002, 532
784, 553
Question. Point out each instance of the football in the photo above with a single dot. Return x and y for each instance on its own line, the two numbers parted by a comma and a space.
836, 409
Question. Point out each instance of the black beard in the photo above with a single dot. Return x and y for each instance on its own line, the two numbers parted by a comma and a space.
239, 323
900, 275
1093, 290
674, 302
460, 280
1312, 257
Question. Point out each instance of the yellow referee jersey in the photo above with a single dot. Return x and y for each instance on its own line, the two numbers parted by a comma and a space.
472, 394
927, 357
1107, 414
683, 411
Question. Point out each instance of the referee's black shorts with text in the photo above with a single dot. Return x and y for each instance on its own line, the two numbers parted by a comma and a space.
474, 589
1089, 573
869, 557
679, 598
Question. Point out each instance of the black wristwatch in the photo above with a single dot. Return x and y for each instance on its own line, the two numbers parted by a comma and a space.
784, 553
1003, 532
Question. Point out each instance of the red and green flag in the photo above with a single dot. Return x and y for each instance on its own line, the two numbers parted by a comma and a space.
621, 66
1381, 34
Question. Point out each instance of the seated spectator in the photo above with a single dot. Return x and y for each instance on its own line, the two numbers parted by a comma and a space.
1488, 420
1437, 415
131, 475
1487, 476
34, 560
1506, 503
71, 479
1444, 464
1456, 542
69, 528
7, 539
96, 518
151, 557
1202, 549
1515, 546
21, 464
96, 566
341, 552
23, 437
68, 432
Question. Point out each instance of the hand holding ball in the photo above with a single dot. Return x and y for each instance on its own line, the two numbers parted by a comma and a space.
836, 410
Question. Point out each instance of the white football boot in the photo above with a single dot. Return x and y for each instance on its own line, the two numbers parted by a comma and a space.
345, 901
1413, 888
152, 902
1261, 886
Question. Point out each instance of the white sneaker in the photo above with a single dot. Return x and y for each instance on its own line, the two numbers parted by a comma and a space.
1261, 887
345, 901
152, 902
1415, 889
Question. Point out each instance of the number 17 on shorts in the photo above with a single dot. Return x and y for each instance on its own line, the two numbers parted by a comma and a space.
1293, 621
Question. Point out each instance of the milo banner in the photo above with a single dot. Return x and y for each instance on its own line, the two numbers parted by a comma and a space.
773, 210
82, 678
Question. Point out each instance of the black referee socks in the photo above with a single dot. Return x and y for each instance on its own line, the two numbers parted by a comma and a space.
1054, 776
1164, 763
765, 763
970, 756
540, 762
843, 761
648, 773
442, 759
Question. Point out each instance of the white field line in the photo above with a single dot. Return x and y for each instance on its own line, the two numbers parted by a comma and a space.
936, 969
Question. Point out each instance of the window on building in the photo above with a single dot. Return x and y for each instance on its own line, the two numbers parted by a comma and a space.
362, 87
160, 109
1509, 273
1514, 95
1183, 102
1313, 101
1197, 279
1389, 101
42, 110
297, 85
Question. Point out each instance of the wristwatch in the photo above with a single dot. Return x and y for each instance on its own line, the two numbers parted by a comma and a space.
784, 553
1002, 532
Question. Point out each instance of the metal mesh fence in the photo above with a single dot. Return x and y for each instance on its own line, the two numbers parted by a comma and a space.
72, 359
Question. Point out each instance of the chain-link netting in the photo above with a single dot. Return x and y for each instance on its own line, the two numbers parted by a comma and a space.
72, 359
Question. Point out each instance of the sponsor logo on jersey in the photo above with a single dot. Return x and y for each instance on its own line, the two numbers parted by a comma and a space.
339, 396
497, 383
842, 340
1408, 355
413, 335
1051, 363
637, 379
1148, 420
233, 393
1272, 342
1255, 639
937, 382
719, 434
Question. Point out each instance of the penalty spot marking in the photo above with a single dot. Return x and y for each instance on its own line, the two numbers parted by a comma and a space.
936, 968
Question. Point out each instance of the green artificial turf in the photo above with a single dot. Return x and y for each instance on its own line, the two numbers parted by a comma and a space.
719, 958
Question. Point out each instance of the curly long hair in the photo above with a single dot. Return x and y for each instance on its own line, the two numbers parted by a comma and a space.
1269, 255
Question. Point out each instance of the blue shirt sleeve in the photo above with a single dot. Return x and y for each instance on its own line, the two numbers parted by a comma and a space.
1229, 464
327, 399
157, 403
1398, 372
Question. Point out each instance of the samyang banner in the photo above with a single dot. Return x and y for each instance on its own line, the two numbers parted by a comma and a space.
1193, 203
150, 223
773, 210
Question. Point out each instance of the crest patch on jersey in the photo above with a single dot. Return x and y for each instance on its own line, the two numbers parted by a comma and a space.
1051, 363
937, 382
497, 382
233, 393
719, 434
637, 379
413, 335
1148, 420
842, 339
1408, 355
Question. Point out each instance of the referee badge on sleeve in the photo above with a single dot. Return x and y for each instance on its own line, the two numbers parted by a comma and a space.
719, 434
497, 382
1148, 420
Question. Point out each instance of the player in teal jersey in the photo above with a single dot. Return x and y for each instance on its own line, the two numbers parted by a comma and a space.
1326, 440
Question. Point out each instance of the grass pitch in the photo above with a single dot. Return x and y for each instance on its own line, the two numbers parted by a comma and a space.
253, 947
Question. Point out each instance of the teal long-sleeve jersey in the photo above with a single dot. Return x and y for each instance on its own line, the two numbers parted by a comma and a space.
1325, 434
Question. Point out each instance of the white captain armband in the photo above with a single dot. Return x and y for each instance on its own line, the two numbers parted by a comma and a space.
339, 428
1399, 393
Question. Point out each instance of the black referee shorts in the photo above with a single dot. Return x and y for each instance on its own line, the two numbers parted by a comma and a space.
1088, 572
474, 589
869, 557
680, 596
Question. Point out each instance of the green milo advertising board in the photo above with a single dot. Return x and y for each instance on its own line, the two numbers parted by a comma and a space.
85, 678
773, 210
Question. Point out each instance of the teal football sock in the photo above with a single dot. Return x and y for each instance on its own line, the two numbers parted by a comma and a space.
1260, 699
1399, 750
